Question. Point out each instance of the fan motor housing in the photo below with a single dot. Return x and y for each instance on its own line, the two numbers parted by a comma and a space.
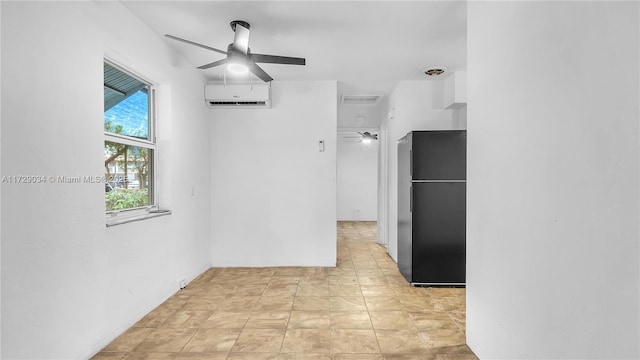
242, 23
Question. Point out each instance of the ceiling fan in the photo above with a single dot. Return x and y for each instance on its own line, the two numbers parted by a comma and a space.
240, 59
365, 137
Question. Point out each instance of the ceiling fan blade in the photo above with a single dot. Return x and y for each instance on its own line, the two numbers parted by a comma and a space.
195, 44
241, 39
257, 70
215, 63
274, 59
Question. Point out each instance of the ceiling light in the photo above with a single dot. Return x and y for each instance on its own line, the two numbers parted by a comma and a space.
237, 68
367, 137
435, 71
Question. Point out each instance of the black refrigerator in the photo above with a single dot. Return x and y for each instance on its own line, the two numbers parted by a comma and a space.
432, 207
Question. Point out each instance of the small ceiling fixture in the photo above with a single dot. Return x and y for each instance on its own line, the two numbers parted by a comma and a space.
363, 137
360, 99
367, 137
435, 71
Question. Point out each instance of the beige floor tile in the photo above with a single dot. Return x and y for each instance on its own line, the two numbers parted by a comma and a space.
300, 356
253, 356
253, 280
356, 357
104, 355
344, 280
217, 289
166, 340
416, 304
446, 292
226, 319
202, 356
186, 319
350, 320
433, 320
309, 320
129, 339
347, 303
175, 302
443, 337
155, 318
372, 280
383, 303
259, 340
448, 304
345, 290
369, 272
212, 340
312, 289
238, 303
281, 290
401, 341
342, 271
459, 317
354, 341
150, 356
249, 289
345, 264
270, 303
456, 357
395, 320
377, 290
425, 356
268, 320
203, 303
311, 303
406, 290
314, 341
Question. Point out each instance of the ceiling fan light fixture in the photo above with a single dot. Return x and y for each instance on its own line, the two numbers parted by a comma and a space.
237, 68
366, 140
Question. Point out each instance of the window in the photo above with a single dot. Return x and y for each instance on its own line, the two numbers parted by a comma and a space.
129, 145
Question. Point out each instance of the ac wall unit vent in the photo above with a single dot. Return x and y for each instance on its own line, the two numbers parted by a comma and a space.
220, 96
360, 99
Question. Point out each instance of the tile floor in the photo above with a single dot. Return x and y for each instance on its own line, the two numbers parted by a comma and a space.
361, 309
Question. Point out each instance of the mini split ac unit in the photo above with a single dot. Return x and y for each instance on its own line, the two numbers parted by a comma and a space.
220, 96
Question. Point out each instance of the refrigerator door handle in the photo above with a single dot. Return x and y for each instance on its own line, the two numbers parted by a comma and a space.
411, 199
411, 164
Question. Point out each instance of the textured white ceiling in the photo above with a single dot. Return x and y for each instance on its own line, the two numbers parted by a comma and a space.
368, 46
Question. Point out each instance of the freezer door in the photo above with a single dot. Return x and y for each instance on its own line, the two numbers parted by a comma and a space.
439, 155
439, 233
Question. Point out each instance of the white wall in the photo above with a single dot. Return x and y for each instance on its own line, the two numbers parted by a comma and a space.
273, 194
69, 284
357, 180
553, 174
414, 105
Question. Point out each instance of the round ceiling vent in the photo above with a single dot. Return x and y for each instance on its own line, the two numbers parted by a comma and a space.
435, 71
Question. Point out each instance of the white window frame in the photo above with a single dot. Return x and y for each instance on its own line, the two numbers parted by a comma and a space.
115, 217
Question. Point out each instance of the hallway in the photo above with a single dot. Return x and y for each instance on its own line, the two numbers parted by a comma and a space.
362, 309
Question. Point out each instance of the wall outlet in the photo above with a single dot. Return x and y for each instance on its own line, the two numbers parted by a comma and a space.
183, 284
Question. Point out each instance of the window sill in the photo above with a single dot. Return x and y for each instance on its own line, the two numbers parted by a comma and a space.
113, 221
